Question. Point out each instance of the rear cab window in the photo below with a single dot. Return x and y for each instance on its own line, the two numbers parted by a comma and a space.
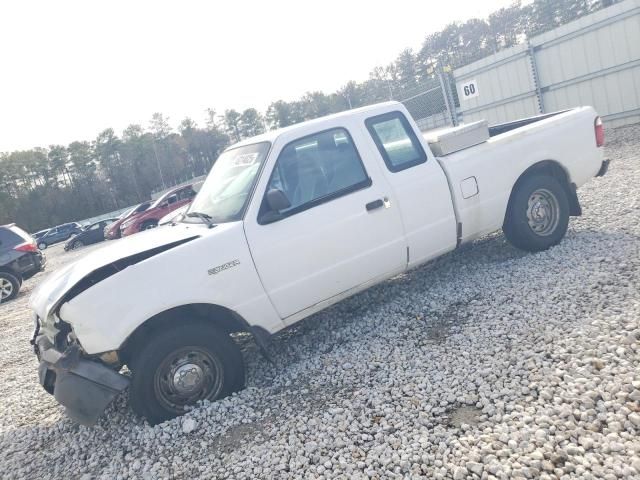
396, 141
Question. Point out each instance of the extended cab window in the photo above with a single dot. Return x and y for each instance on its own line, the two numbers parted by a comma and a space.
316, 169
396, 141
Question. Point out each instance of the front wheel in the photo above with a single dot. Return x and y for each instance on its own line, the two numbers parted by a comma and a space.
42, 246
538, 214
178, 367
77, 244
149, 225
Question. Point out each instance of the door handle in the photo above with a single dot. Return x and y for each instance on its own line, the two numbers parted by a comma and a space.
375, 205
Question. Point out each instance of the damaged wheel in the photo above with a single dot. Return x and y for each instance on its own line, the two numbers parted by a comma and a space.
179, 367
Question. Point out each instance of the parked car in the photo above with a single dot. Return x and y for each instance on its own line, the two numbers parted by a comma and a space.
19, 260
174, 216
93, 233
40, 234
164, 205
112, 231
58, 234
319, 211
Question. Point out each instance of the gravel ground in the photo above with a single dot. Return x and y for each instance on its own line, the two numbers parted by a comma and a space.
487, 363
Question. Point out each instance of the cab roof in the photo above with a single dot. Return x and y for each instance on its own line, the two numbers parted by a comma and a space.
368, 111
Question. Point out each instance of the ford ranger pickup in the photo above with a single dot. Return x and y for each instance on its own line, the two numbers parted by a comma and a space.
286, 224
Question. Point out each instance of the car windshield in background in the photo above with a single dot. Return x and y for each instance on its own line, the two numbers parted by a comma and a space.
126, 213
225, 192
160, 200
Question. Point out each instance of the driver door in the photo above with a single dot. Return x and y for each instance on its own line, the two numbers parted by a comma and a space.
340, 232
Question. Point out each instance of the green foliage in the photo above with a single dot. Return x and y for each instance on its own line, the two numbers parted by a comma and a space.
251, 123
44, 187
40, 188
231, 119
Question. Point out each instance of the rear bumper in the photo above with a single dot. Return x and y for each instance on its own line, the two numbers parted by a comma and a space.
112, 232
31, 264
603, 168
84, 387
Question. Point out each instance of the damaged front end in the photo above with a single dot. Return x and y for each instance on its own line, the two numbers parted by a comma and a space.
85, 387
85, 383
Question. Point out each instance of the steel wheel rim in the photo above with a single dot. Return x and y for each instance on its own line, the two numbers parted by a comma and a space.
186, 376
543, 212
6, 288
77, 245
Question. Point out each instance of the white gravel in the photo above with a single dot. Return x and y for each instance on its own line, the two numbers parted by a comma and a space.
488, 363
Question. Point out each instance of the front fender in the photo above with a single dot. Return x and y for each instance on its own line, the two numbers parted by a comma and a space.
214, 269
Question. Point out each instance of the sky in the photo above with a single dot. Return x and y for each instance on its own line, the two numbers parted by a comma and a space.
70, 69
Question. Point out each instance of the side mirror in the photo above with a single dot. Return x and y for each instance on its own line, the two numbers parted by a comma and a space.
277, 200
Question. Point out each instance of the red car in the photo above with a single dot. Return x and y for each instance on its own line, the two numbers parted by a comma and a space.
168, 202
112, 231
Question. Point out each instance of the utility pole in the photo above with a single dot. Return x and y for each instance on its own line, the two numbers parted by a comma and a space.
390, 91
155, 152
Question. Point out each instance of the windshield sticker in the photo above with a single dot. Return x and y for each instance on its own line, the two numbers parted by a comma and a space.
245, 159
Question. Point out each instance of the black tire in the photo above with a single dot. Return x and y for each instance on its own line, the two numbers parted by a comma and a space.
42, 246
152, 365
77, 244
9, 286
538, 214
148, 225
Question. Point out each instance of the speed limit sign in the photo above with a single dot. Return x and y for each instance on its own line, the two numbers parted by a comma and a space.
469, 90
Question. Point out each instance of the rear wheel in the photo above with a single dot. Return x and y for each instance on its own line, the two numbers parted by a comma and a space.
77, 244
538, 214
178, 367
9, 286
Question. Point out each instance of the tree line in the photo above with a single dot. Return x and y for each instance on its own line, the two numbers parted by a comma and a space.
43, 187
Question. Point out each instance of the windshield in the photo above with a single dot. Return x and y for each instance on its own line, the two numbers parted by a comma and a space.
160, 200
126, 213
226, 190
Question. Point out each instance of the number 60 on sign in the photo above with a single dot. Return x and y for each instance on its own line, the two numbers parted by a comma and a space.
469, 90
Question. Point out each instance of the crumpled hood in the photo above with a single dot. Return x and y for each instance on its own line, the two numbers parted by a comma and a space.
50, 292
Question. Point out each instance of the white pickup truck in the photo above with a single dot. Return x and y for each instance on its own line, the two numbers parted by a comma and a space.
286, 224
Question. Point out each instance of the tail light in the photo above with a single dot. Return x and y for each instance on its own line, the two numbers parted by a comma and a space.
599, 131
26, 247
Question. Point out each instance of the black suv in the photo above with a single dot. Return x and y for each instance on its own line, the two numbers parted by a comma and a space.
19, 259
58, 234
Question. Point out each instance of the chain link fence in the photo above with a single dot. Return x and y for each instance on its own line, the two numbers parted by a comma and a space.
431, 102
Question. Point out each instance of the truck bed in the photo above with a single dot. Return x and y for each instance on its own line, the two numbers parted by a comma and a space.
481, 177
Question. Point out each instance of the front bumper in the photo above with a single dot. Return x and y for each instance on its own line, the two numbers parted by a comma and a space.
84, 387
130, 230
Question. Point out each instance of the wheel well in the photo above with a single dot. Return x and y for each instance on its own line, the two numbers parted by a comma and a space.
227, 320
557, 171
11, 271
